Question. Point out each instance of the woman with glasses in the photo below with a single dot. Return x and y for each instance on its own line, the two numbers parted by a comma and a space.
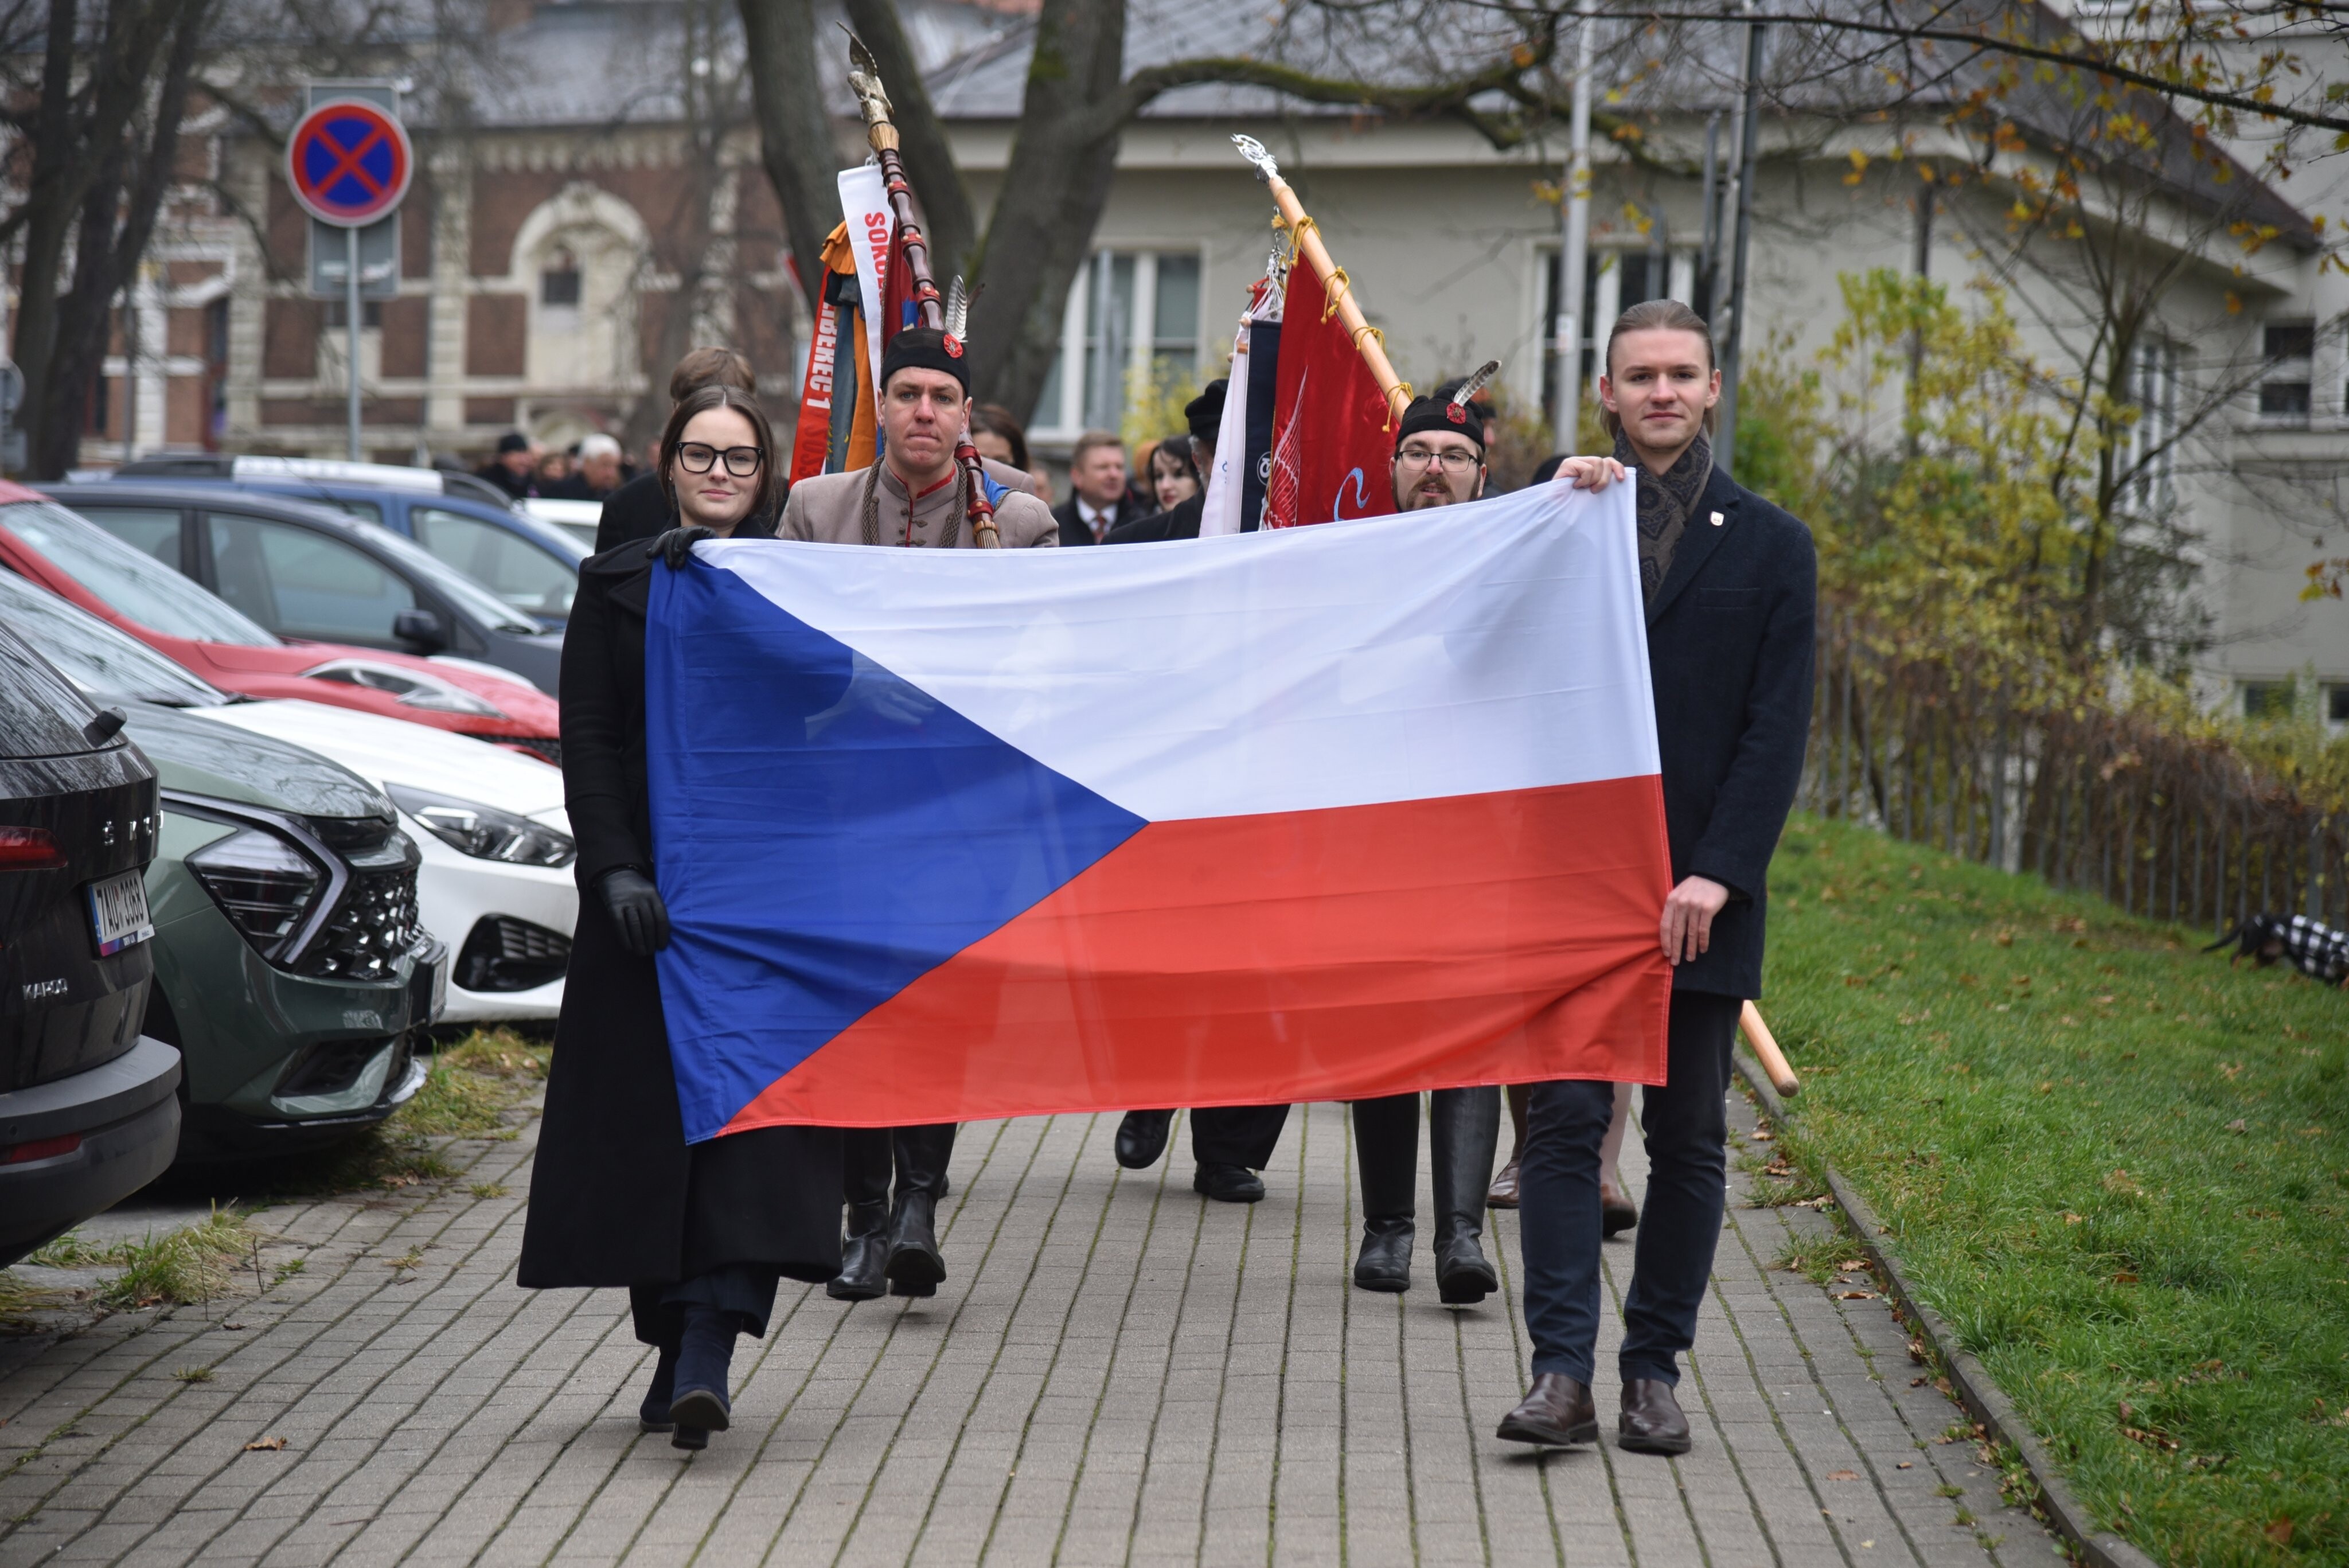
699, 1235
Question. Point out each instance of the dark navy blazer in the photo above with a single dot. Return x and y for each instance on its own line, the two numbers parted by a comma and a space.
1729, 651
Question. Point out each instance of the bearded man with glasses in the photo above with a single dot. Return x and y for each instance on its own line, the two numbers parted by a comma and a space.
1439, 461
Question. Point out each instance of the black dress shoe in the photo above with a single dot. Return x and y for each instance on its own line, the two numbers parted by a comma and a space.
1652, 1422
1616, 1210
1228, 1183
1384, 1262
1141, 1138
693, 1438
915, 1266
1555, 1411
863, 1261
1463, 1275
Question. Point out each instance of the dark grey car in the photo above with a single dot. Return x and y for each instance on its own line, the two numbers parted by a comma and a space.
89, 1109
308, 573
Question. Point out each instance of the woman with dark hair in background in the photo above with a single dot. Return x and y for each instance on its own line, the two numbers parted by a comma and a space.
1173, 479
1001, 440
700, 1233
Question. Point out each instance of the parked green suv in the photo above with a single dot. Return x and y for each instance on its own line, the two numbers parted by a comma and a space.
291, 969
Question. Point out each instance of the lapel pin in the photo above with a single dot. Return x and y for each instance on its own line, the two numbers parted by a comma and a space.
1716, 519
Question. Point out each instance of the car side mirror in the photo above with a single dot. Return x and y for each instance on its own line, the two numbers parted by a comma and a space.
421, 627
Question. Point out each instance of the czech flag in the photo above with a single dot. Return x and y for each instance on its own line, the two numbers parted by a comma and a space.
1303, 814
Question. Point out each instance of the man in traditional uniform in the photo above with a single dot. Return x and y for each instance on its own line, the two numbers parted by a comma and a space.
913, 495
1439, 461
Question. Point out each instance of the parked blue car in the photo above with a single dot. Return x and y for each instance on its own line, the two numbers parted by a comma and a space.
529, 563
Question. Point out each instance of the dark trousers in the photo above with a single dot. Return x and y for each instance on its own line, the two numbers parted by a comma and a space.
917, 1155
1686, 1128
1229, 1135
746, 1290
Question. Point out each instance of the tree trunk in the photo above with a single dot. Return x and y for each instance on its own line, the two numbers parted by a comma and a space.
54, 192
930, 166
795, 139
1051, 198
118, 220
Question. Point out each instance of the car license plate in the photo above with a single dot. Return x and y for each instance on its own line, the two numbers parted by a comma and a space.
118, 912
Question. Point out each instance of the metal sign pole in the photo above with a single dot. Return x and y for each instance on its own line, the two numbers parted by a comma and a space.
351, 321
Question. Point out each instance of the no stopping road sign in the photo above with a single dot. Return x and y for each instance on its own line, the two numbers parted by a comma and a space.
349, 162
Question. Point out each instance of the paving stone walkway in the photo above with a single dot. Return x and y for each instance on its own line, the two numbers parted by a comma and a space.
1116, 1372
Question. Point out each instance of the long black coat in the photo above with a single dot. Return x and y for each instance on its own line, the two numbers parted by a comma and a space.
1729, 649
1179, 522
617, 1197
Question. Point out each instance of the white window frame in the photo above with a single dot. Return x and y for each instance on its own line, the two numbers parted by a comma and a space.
1068, 421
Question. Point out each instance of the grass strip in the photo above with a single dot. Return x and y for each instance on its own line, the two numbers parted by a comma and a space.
2112, 1164
190, 1263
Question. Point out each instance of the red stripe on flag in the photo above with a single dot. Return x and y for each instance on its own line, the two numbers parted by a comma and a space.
1339, 954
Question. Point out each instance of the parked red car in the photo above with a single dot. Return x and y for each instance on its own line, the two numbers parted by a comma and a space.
73, 557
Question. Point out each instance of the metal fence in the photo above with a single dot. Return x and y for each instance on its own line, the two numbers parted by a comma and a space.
2168, 827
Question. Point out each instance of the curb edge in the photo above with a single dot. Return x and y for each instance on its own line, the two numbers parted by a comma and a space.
1976, 1391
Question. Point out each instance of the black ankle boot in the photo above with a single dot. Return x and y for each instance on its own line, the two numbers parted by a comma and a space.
1386, 1156
864, 1257
915, 1265
653, 1416
1384, 1262
1464, 1133
705, 1356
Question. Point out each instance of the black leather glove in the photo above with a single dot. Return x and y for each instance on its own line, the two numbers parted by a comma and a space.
675, 547
636, 909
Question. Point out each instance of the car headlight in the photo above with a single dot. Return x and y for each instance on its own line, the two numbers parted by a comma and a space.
266, 885
485, 832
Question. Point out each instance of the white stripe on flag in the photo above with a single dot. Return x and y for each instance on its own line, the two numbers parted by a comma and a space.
1499, 645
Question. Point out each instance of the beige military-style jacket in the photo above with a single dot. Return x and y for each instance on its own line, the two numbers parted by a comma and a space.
828, 509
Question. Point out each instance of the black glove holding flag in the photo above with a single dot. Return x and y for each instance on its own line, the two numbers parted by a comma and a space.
675, 547
635, 906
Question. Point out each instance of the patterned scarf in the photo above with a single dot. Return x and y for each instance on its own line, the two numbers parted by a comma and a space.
1664, 503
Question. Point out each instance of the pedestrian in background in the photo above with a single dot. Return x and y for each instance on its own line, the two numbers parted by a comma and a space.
513, 468
1730, 584
1097, 476
640, 509
1205, 415
1173, 478
697, 1234
596, 475
1001, 440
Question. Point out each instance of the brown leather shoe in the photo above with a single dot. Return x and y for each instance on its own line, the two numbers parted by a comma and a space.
1503, 1193
1652, 1422
1616, 1211
1555, 1411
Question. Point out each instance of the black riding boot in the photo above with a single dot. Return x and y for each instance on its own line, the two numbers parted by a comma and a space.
1386, 1153
1463, 1134
864, 1257
915, 1265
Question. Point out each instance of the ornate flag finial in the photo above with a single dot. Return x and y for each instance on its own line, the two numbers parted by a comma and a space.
1267, 170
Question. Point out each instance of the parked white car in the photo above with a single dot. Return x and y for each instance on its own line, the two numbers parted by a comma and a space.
495, 884
577, 518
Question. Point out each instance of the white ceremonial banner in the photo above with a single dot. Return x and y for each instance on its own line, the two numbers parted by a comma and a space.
1221, 511
865, 204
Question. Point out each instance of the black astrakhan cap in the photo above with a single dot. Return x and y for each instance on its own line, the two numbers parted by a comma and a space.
1206, 411
926, 349
1430, 414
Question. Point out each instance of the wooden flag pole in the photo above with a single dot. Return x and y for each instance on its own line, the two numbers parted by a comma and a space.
1368, 340
1766, 1051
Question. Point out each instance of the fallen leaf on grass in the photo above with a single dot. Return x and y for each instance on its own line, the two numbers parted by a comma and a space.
1760, 1137
1843, 1475
2278, 1530
1855, 1296
1915, 1383
2071, 1219
2125, 1277
1850, 1264
265, 1445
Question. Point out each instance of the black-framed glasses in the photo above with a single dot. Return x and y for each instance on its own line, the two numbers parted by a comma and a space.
1454, 462
699, 457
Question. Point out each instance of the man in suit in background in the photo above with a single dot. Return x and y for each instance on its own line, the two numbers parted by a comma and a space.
1097, 476
1730, 583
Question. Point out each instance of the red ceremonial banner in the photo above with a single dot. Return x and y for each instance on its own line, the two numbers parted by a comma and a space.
1333, 435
